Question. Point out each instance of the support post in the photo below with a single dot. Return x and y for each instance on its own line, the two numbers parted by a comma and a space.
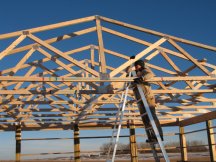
76, 144
211, 140
102, 58
18, 141
133, 145
183, 144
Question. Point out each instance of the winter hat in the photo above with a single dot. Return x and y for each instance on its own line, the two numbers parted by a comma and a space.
139, 62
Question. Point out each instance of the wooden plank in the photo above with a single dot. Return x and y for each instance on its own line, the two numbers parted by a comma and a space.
12, 46
175, 108
23, 60
53, 40
18, 142
160, 68
92, 57
183, 144
76, 144
46, 59
189, 56
211, 140
113, 79
17, 86
58, 52
181, 91
174, 66
140, 41
67, 91
158, 33
102, 58
83, 126
56, 60
198, 119
55, 102
138, 56
48, 27
133, 144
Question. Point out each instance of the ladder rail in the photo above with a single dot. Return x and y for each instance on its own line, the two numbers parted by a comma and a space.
142, 95
121, 112
115, 127
120, 123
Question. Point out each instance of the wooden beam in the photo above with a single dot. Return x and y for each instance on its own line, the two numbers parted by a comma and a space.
48, 27
53, 40
12, 46
102, 59
183, 91
18, 142
113, 53
160, 68
76, 144
56, 60
92, 57
133, 144
84, 126
189, 56
198, 119
138, 56
183, 144
23, 60
140, 41
56, 102
158, 33
68, 91
36, 62
58, 52
211, 140
112, 79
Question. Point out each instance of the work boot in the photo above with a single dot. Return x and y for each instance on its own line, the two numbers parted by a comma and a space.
153, 140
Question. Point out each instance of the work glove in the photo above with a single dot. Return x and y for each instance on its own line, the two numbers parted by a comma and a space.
138, 80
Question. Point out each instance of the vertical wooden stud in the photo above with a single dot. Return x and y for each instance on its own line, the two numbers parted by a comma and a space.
76, 144
183, 144
18, 141
211, 140
133, 145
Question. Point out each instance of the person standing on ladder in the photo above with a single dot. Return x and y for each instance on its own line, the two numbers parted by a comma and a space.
143, 73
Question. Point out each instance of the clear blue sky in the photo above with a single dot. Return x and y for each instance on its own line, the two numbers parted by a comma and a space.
193, 20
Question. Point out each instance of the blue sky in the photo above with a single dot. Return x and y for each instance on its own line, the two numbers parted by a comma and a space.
193, 20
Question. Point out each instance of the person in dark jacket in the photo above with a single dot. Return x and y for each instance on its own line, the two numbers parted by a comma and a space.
143, 73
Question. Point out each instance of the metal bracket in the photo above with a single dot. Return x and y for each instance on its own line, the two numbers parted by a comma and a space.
167, 37
26, 32
35, 47
104, 76
213, 75
97, 17
160, 50
105, 89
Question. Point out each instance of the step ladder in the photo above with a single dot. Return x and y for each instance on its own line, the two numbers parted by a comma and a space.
118, 121
153, 128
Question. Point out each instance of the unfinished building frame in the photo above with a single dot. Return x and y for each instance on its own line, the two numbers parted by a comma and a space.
46, 85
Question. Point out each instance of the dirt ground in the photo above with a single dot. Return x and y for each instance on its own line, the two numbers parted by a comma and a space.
203, 159
174, 157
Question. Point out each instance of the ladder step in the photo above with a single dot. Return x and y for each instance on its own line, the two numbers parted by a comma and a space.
149, 128
160, 157
153, 142
144, 114
139, 100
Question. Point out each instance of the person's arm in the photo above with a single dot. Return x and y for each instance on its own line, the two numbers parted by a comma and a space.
147, 74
